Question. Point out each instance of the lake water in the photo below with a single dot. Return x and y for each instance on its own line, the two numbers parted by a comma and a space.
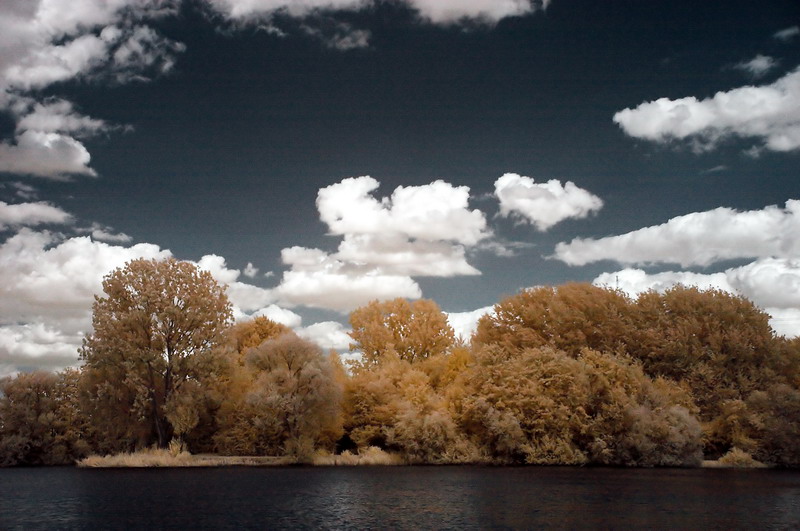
456, 497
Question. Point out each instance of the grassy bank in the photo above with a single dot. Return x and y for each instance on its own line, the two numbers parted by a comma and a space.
154, 458
174, 457
372, 456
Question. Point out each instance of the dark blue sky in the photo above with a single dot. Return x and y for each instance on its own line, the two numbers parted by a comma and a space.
244, 118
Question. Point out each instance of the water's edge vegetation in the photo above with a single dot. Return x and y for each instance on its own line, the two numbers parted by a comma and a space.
567, 375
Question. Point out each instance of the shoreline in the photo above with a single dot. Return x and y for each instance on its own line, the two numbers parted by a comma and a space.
163, 459
183, 460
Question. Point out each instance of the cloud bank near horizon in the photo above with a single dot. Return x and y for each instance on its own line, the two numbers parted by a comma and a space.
767, 236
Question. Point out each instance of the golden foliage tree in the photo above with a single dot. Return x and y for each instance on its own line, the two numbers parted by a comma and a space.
289, 403
718, 345
396, 406
545, 406
40, 420
143, 359
413, 331
251, 333
570, 317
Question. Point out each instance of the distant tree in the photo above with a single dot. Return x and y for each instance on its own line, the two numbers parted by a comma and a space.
765, 426
720, 346
395, 406
570, 318
289, 403
545, 406
40, 421
144, 357
251, 333
412, 331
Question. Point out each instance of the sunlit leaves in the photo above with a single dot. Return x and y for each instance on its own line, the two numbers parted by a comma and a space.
413, 331
155, 318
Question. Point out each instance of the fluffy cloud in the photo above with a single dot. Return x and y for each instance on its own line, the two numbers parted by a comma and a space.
465, 323
49, 155
280, 315
770, 282
250, 271
343, 292
48, 44
59, 116
417, 231
245, 298
758, 66
394, 254
45, 143
47, 277
107, 234
700, 238
30, 214
543, 204
48, 41
436, 11
296, 8
449, 11
431, 212
770, 113
769, 235
636, 281
773, 284
47, 285
327, 334
36, 346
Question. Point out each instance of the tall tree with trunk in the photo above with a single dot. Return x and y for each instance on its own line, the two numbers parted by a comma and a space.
152, 329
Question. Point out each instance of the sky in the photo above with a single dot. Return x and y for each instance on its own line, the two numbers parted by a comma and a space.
315, 155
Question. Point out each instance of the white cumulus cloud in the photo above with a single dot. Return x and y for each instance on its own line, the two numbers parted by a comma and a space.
635, 281
250, 271
543, 204
47, 286
343, 292
436, 11
30, 214
59, 116
465, 323
450, 11
770, 113
273, 312
699, 238
48, 41
327, 334
50, 155
416, 231
246, 298
432, 212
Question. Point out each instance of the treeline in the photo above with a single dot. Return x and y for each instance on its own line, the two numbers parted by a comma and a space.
573, 374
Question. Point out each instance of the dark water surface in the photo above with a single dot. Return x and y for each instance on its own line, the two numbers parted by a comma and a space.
457, 497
